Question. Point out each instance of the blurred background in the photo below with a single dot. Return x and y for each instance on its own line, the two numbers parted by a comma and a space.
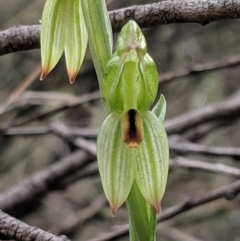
80, 210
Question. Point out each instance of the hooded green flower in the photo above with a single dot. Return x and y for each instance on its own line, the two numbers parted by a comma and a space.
132, 144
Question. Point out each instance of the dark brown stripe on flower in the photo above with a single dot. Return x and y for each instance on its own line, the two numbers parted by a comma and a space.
132, 128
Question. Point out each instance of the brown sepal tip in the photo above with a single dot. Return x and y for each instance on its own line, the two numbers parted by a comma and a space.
44, 74
114, 210
72, 74
157, 207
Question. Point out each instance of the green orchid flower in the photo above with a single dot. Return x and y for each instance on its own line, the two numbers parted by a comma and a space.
132, 145
63, 30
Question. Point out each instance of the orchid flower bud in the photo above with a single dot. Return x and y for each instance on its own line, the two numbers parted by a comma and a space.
131, 76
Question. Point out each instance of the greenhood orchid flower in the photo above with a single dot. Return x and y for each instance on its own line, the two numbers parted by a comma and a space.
132, 145
63, 30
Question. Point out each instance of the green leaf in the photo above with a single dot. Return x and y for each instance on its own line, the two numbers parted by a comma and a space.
152, 161
76, 39
160, 108
52, 33
115, 161
100, 34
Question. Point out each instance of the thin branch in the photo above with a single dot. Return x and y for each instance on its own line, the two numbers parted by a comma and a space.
176, 234
175, 11
21, 38
188, 147
80, 216
205, 166
43, 130
229, 192
200, 68
12, 228
81, 100
225, 110
17, 92
210, 211
201, 131
18, 199
39, 98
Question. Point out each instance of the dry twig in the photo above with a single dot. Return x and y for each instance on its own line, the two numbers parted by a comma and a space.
11, 228
21, 38
20, 198
188, 147
205, 166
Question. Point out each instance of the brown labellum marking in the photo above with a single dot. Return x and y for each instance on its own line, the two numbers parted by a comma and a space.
132, 128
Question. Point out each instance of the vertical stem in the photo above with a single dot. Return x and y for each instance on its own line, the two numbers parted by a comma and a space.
142, 217
100, 34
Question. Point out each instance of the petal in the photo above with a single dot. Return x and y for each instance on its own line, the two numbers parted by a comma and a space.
52, 34
112, 87
115, 161
152, 161
160, 108
76, 39
148, 84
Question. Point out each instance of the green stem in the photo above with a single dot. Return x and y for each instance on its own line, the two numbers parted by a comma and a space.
100, 34
142, 217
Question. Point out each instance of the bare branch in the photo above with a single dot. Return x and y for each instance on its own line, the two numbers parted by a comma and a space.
81, 100
11, 228
205, 166
81, 216
199, 132
200, 68
226, 110
43, 130
187, 147
175, 234
21, 38
175, 11
18, 199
